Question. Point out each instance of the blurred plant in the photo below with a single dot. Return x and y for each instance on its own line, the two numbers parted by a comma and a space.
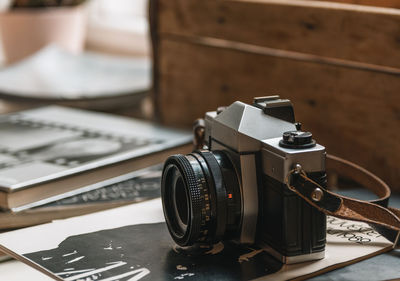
44, 3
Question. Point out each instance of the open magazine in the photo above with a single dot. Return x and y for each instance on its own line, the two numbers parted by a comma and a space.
132, 243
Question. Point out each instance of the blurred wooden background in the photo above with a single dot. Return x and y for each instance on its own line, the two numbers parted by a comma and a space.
339, 63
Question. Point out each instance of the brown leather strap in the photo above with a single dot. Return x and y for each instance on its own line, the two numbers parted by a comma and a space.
375, 212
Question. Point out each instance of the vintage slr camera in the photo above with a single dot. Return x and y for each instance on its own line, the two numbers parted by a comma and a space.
235, 189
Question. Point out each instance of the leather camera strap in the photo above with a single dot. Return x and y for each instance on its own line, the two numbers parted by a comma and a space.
375, 212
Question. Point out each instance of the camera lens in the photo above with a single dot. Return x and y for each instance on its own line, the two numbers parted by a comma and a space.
201, 197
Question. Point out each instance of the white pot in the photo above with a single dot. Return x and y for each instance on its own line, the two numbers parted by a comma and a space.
25, 31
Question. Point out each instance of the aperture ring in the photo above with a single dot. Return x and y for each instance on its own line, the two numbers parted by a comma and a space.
219, 192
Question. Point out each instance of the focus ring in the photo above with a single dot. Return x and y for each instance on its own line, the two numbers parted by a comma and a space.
195, 202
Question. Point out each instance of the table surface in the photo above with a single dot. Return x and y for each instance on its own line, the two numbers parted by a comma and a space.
382, 267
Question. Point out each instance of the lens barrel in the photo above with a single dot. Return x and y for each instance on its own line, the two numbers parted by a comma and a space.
201, 197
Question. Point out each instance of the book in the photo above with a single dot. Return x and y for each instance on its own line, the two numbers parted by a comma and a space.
55, 152
130, 188
132, 243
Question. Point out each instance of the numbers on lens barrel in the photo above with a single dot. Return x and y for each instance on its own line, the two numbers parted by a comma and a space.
205, 210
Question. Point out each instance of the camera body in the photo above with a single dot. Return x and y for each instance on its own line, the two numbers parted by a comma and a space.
272, 215
261, 144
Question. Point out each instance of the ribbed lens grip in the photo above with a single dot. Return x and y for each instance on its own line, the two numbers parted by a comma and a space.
195, 201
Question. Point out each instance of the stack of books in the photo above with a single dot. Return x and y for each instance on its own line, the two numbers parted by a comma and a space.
58, 162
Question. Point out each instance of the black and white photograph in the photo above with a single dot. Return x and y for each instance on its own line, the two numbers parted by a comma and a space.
33, 149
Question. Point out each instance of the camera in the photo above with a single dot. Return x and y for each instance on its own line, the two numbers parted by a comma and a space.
234, 187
